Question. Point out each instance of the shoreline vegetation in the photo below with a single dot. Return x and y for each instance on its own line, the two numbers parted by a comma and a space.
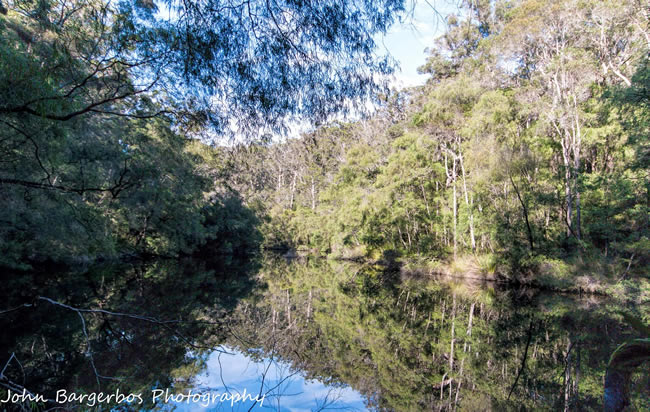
573, 277
525, 157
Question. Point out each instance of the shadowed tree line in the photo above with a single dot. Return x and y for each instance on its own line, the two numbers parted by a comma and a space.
107, 108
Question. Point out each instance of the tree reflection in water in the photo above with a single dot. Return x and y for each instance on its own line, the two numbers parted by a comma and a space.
313, 331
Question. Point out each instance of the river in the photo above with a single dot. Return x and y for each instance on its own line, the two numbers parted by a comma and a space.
301, 335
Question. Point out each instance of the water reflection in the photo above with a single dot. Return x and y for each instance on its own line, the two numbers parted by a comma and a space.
274, 384
413, 343
118, 327
340, 334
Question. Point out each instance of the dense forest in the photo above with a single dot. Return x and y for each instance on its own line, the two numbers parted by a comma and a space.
525, 154
107, 111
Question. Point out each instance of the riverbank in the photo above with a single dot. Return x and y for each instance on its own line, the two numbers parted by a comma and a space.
577, 275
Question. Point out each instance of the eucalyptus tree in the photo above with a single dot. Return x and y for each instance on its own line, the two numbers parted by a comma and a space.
565, 48
525, 143
97, 98
240, 65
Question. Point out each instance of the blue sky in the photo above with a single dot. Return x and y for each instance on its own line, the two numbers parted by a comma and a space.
408, 40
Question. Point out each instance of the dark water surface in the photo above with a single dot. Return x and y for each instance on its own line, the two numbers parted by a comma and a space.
302, 335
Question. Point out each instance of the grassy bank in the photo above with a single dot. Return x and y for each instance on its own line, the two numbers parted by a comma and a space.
575, 275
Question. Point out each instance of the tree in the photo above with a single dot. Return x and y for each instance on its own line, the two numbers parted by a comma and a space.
240, 66
98, 98
558, 45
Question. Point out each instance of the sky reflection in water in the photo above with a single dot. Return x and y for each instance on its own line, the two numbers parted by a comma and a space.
286, 389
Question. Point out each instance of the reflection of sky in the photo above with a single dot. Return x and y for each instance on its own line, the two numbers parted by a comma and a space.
285, 389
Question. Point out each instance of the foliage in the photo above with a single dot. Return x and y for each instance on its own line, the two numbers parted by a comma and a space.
99, 102
235, 66
407, 343
522, 145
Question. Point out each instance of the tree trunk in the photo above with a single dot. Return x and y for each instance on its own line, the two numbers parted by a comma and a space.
288, 310
274, 315
426, 203
576, 168
457, 392
293, 189
469, 207
576, 379
469, 322
451, 177
313, 194
453, 341
567, 376
455, 211
567, 188
309, 305
525, 212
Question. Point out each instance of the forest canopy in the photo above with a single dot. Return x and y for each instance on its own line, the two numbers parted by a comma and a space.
525, 153
100, 102
229, 64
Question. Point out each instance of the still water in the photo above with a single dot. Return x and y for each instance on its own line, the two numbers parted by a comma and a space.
303, 335
232, 374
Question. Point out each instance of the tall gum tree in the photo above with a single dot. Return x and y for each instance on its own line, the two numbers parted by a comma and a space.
565, 47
